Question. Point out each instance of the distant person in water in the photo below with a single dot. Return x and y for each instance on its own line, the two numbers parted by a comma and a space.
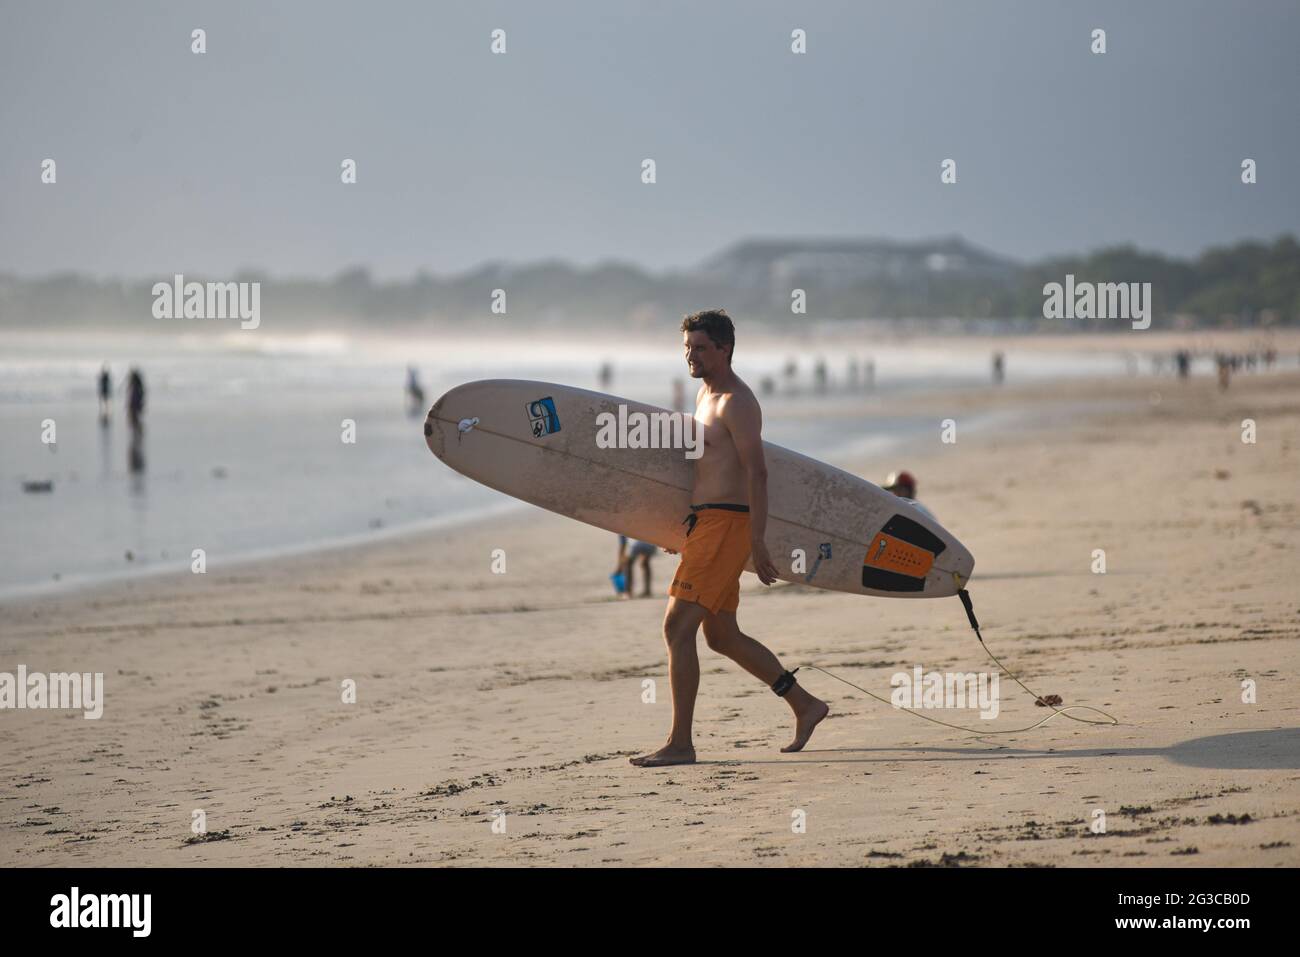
999, 368
903, 484
105, 393
135, 399
414, 391
631, 552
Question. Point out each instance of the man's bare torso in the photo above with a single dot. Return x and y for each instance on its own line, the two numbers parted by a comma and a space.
719, 476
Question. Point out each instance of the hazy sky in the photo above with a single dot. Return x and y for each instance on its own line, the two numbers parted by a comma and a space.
169, 161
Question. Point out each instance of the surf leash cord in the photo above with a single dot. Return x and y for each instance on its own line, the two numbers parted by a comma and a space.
964, 595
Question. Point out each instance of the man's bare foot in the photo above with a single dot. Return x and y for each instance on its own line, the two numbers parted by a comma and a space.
805, 724
665, 756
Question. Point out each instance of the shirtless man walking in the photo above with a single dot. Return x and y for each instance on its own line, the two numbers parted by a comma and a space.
726, 525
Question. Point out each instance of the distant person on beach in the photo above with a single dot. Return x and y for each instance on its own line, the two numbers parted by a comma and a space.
633, 551
726, 528
135, 399
105, 393
414, 391
903, 484
869, 379
605, 375
679, 396
999, 368
135, 418
819, 376
1225, 370
1183, 359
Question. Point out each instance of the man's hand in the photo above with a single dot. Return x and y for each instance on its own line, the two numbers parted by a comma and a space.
670, 551
763, 563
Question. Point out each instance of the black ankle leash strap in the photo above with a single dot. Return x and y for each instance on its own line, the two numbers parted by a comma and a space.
784, 683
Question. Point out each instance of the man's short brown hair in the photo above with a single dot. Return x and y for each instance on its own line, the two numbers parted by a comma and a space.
716, 324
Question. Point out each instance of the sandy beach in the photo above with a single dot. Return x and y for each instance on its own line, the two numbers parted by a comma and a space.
479, 692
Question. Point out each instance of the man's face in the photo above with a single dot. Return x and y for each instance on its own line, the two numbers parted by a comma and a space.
703, 357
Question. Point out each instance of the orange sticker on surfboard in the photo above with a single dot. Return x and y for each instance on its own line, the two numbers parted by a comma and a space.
895, 555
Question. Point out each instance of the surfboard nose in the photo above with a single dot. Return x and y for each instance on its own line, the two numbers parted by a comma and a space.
435, 423
433, 430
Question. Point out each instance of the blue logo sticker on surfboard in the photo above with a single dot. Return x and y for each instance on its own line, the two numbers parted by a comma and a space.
542, 417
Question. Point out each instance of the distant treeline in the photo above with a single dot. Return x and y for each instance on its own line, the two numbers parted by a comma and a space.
1252, 283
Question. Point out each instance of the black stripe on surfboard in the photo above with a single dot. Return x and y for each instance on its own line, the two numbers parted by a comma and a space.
914, 533
881, 580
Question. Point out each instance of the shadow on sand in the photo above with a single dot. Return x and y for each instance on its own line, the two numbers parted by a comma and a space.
1278, 749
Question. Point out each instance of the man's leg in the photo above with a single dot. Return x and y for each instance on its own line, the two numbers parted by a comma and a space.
681, 625
724, 636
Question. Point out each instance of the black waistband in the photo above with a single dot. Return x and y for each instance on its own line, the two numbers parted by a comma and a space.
727, 506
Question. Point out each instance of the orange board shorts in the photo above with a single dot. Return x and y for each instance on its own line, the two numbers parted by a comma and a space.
717, 547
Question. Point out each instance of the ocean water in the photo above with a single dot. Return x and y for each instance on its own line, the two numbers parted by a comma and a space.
241, 453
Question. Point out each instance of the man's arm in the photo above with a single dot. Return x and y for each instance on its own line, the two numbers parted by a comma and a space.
744, 420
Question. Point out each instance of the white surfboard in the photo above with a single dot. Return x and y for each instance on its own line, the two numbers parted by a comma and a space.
537, 441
